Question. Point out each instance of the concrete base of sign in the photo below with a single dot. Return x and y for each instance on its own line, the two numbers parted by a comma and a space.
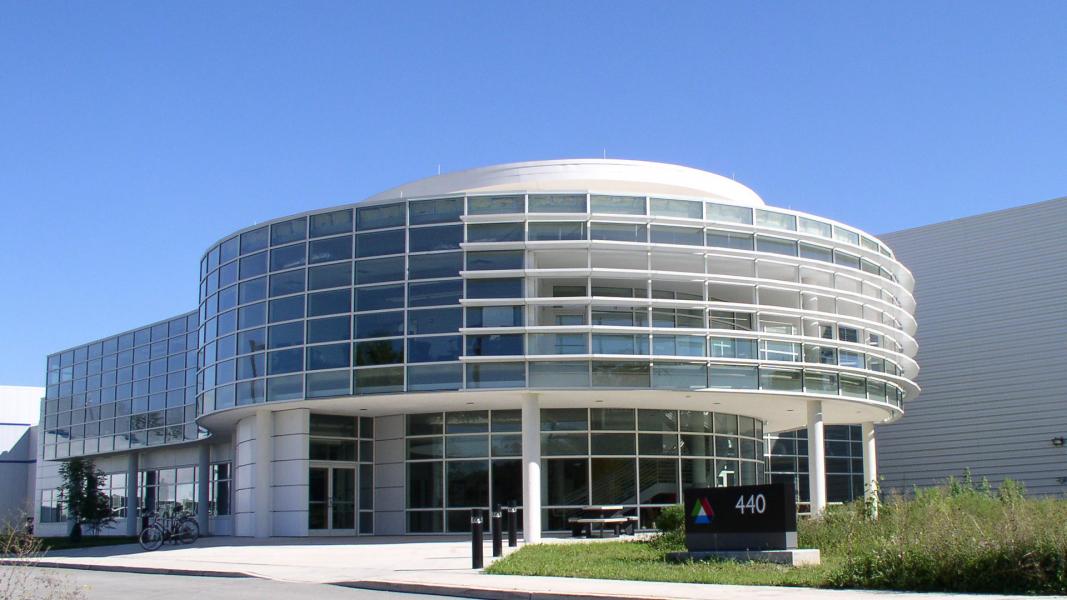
793, 558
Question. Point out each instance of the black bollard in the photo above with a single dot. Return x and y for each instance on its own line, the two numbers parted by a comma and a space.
476, 539
498, 535
513, 516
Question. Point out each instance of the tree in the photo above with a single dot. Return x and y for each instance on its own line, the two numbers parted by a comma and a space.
83, 492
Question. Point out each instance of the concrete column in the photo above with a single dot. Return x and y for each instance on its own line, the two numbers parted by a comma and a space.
133, 515
816, 458
263, 468
531, 469
203, 487
870, 468
700, 472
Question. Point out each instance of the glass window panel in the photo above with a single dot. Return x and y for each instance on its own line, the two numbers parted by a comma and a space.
815, 227
435, 377
425, 424
333, 383
696, 421
619, 232
733, 348
329, 276
379, 381
285, 309
285, 361
254, 265
427, 239
556, 231
485, 205
620, 374
386, 324
330, 356
816, 252
844, 235
775, 220
559, 343
289, 282
467, 446
254, 240
495, 316
687, 236
288, 334
685, 376
433, 266
557, 203
729, 239
377, 217
678, 345
250, 366
252, 315
564, 444
659, 481
338, 221
379, 270
776, 245
559, 374
495, 288
820, 383
619, 344
496, 375
328, 303
288, 231
468, 483
380, 297
686, 209
287, 257
380, 243
434, 293
251, 341
730, 377
329, 330
617, 205
437, 210
853, 387
494, 345
434, 349
614, 480
494, 232
379, 352
494, 260
330, 249
780, 380
774, 350
435, 320
724, 213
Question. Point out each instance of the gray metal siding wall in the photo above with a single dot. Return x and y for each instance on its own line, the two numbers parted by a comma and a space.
992, 312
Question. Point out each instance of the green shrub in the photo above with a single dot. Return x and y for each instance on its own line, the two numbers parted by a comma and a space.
671, 519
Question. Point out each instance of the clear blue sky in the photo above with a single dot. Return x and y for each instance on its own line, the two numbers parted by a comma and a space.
134, 134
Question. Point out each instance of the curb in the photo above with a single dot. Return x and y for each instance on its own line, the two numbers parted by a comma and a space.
126, 569
479, 593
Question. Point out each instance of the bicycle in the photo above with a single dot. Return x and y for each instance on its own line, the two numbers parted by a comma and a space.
182, 528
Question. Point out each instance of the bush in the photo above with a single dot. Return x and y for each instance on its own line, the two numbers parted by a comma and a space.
671, 519
959, 537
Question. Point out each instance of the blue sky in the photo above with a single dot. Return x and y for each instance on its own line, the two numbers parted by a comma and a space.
133, 134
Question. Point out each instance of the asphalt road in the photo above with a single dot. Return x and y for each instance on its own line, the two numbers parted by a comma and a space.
100, 585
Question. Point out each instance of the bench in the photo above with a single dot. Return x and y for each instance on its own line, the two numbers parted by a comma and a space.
587, 524
604, 517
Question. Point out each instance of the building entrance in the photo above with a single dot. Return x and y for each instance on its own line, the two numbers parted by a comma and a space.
332, 500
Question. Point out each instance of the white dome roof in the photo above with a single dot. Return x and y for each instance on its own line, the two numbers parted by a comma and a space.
580, 174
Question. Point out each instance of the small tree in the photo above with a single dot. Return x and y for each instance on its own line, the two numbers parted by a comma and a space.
83, 492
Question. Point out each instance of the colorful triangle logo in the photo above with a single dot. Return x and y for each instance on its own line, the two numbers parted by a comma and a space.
702, 513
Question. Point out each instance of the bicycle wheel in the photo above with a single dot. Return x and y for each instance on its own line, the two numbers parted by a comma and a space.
151, 538
188, 531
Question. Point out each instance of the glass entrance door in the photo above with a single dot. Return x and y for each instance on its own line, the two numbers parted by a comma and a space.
332, 500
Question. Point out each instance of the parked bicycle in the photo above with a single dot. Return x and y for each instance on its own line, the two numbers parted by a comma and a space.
178, 528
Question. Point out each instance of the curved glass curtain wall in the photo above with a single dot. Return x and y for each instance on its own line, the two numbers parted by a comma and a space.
638, 459
131, 390
367, 300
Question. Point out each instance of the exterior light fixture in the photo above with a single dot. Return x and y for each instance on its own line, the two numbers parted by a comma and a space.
1058, 441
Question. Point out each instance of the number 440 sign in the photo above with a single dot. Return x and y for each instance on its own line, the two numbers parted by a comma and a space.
740, 509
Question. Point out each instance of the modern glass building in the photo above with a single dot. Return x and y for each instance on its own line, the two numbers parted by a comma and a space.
554, 333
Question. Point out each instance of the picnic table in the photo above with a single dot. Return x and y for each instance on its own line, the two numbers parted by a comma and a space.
604, 516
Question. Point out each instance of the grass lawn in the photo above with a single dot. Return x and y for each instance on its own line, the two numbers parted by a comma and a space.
642, 560
64, 543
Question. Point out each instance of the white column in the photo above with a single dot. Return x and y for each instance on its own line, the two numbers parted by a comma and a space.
133, 515
816, 458
531, 469
203, 483
870, 468
263, 468
810, 302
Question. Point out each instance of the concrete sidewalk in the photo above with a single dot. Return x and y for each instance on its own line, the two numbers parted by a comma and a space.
430, 565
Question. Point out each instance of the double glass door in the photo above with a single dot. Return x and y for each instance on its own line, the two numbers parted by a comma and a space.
332, 500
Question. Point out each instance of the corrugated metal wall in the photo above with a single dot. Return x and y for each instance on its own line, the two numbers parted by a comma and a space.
992, 312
